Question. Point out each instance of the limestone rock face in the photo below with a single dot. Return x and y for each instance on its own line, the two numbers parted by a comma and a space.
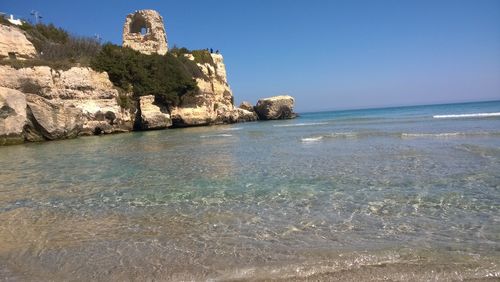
13, 43
12, 116
220, 67
191, 116
152, 116
144, 31
277, 107
51, 120
90, 91
246, 106
214, 102
245, 116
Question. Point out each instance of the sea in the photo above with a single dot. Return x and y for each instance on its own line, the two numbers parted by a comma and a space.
398, 194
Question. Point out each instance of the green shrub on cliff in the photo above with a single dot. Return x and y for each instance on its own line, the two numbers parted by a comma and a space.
55, 64
167, 77
203, 57
200, 56
41, 34
164, 76
189, 65
55, 46
76, 49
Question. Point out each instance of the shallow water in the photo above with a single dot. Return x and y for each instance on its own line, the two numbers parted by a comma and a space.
394, 194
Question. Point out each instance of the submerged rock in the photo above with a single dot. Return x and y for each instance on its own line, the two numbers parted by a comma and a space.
12, 116
277, 107
152, 116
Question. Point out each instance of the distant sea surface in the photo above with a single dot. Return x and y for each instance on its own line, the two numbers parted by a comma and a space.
410, 193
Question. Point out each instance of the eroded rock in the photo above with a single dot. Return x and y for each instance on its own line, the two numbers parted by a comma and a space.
14, 44
51, 120
82, 88
213, 104
246, 106
152, 116
12, 116
277, 107
246, 116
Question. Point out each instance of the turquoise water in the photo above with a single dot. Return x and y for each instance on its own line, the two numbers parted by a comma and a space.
409, 193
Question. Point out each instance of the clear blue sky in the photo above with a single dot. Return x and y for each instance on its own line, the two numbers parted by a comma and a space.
328, 54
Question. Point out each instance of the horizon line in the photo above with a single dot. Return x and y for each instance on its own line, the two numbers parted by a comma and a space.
397, 106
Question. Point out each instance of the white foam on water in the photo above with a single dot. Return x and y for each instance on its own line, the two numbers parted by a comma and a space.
300, 124
232, 129
312, 139
438, 135
216, 135
477, 115
343, 134
330, 136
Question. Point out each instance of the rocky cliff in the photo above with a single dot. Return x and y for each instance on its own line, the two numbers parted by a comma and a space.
12, 116
81, 95
40, 103
14, 44
80, 101
213, 104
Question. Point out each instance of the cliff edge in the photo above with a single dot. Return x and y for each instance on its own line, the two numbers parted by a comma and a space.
99, 92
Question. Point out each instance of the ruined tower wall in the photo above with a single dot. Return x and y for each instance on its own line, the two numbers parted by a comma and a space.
144, 31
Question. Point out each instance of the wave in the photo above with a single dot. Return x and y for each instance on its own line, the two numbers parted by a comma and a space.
300, 124
393, 265
448, 134
350, 134
403, 135
333, 135
216, 135
312, 139
438, 135
477, 115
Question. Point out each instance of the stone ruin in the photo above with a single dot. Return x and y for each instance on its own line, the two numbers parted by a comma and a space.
144, 31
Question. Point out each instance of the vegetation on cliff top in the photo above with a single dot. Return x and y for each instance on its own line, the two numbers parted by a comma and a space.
200, 56
167, 77
164, 76
56, 47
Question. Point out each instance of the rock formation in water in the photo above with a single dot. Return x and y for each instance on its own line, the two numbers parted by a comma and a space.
12, 116
152, 116
51, 120
78, 101
213, 103
14, 44
247, 112
144, 31
40, 103
277, 107
247, 106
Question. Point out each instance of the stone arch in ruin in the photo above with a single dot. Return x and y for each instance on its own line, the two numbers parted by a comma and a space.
144, 31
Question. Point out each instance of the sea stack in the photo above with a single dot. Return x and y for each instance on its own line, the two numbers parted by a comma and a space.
276, 107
